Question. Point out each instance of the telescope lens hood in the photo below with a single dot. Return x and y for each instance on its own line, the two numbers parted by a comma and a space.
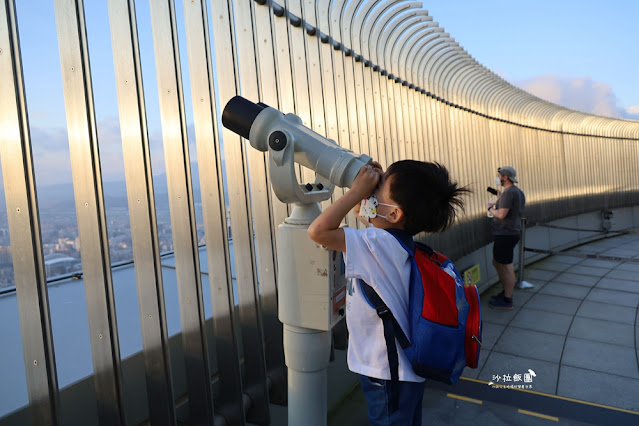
239, 115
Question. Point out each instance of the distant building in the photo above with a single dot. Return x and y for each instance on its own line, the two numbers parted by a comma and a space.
65, 245
6, 276
5, 255
59, 264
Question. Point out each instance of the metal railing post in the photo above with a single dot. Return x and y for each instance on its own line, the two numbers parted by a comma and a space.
522, 243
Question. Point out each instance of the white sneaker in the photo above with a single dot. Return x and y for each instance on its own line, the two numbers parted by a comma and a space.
524, 285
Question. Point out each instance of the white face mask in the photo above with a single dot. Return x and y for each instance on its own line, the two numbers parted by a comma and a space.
368, 208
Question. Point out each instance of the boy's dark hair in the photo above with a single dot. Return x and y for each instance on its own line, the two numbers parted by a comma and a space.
425, 193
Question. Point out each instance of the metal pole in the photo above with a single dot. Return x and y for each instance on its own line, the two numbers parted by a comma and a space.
90, 210
142, 212
306, 350
307, 355
16, 159
522, 243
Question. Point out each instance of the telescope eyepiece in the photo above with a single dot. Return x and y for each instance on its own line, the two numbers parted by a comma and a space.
239, 115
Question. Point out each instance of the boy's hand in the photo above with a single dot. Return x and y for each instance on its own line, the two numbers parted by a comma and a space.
325, 229
376, 165
356, 209
366, 180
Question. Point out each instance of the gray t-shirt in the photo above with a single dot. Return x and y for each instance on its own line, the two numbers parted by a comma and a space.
514, 199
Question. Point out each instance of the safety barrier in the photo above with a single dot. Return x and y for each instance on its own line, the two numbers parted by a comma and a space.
379, 77
601, 232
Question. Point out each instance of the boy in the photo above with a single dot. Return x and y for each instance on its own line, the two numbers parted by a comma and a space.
411, 197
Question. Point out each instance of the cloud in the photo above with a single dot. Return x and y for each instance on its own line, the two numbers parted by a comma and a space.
632, 112
52, 160
578, 93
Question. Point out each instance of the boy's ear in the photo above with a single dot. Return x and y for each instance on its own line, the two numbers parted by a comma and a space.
395, 216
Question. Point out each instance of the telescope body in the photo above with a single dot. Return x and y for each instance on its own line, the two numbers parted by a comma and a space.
269, 130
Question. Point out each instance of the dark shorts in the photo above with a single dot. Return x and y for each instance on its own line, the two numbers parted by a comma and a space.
504, 247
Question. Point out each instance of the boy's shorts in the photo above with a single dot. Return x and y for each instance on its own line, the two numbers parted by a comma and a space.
504, 247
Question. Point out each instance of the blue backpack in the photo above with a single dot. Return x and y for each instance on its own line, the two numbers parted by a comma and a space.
444, 317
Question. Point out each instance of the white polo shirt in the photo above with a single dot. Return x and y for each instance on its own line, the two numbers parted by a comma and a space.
375, 256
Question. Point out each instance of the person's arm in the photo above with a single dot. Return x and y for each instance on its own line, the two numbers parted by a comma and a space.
325, 229
506, 203
500, 213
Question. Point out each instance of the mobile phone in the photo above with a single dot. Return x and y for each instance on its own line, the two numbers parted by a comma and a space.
492, 190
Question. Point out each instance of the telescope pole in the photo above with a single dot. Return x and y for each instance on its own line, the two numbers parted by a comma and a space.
306, 350
307, 355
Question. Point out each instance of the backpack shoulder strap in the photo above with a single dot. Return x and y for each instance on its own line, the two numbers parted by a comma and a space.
432, 254
384, 312
392, 332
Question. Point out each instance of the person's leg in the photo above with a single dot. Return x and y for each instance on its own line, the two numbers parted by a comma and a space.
415, 393
410, 395
503, 250
409, 413
506, 276
375, 392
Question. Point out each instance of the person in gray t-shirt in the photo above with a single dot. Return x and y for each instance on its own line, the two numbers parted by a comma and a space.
506, 230
513, 199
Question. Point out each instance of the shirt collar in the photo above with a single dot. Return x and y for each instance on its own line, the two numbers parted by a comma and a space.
403, 236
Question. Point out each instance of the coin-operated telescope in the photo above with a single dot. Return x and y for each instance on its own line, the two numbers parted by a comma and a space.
288, 141
311, 284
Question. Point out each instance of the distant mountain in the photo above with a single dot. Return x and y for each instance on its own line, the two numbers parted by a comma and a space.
60, 197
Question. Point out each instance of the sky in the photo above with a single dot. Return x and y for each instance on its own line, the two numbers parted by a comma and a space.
581, 54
